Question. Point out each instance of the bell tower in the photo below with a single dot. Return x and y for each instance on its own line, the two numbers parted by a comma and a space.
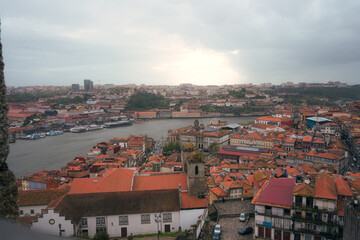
195, 174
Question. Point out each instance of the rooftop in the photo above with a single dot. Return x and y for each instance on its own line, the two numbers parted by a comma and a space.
278, 192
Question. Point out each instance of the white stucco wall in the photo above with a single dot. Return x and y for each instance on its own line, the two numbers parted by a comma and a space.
189, 217
27, 210
134, 224
43, 225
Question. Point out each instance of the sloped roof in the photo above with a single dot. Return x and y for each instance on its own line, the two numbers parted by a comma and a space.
116, 181
218, 192
325, 188
192, 202
307, 138
40, 197
160, 182
231, 184
304, 190
278, 192
342, 187
253, 136
76, 206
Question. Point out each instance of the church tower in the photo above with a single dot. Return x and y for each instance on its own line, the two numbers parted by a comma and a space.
195, 174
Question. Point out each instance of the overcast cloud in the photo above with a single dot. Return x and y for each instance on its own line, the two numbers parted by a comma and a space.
49, 42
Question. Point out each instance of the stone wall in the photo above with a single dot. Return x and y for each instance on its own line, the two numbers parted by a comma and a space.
8, 186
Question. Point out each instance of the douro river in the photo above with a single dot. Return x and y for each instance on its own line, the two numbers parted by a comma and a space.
53, 152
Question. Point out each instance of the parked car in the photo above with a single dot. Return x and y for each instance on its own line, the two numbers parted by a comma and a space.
216, 237
242, 217
217, 229
245, 230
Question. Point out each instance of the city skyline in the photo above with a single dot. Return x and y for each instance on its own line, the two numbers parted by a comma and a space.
166, 43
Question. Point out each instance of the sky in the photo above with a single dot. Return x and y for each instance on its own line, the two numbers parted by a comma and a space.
203, 42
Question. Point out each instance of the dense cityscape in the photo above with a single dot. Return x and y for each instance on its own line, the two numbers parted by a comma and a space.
179, 120
292, 173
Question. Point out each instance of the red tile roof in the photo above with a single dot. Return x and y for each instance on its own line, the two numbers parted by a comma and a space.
253, 136
118, 180
307, 139
192, 202
277, 192
325, 188
342, 187
233, 153
304, 189
160, 182
218, 192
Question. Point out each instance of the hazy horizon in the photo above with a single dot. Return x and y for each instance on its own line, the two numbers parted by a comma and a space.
59, 43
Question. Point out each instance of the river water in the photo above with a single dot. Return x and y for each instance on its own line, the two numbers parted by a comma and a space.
53, 152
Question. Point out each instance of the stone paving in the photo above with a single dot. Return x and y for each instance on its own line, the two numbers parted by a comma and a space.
234, 207
229, 212
230, 227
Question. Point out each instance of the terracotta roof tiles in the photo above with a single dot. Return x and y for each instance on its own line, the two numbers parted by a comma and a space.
325, 188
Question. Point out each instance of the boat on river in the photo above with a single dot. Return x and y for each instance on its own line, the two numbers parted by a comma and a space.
54, 133
117, 124
78, 129
35, 136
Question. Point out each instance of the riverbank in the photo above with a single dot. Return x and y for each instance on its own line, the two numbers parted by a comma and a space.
26, 157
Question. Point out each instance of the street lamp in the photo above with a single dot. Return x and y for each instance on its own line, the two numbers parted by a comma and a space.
61, 230
158, 220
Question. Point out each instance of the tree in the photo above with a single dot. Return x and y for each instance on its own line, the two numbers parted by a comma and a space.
142, 100
101, 236
214, 147
171, 146
177, 147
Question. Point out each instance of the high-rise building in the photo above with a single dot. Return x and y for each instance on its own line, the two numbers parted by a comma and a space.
75, 87
88, 85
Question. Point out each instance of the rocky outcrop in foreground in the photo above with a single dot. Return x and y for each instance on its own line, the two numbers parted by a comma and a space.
8, 187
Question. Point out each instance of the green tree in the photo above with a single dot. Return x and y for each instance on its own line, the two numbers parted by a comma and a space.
171, 146
177, 147
101, 236
28, 119
214, 147
142, 100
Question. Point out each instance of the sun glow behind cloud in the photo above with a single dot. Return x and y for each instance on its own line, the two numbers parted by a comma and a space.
198, 66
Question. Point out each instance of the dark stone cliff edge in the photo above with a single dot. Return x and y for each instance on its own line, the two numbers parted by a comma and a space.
8, 187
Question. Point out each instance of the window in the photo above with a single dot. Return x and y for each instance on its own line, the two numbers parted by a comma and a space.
309, 202
32, 211
21, 212
268, 210
287, 212
196, 170
123, 220
145, 219
84, 223
298, 201
277, 222
167, 217
309, 226
100, 221
286, 223
100, 229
